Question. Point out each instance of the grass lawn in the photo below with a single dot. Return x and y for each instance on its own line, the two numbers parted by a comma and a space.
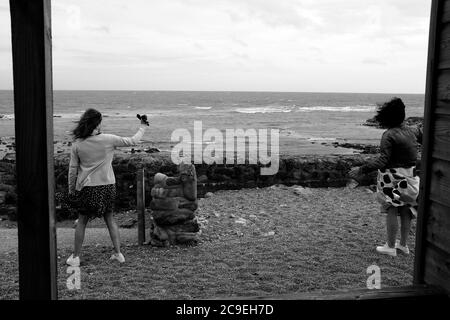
254, 242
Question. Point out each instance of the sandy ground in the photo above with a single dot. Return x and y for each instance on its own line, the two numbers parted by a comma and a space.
254, 242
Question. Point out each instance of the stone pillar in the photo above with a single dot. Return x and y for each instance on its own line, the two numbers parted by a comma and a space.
173, 206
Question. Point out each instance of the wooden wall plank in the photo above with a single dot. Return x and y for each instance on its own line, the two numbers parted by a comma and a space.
440, 181
438, 226
445, 17
442, 108
437, 266
443, 87
441, 145
33, 110
444, 47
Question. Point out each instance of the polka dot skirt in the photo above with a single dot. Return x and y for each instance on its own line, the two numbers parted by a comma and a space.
93, 202
398, 187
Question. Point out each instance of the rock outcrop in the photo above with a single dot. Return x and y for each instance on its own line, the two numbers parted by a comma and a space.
411, 121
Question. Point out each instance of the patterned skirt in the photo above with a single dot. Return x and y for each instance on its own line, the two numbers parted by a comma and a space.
398, 187
93, 202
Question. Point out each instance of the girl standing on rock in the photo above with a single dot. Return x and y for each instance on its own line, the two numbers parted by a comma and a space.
397, 182
92, 187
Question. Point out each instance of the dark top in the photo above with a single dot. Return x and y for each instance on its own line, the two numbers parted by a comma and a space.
398, 148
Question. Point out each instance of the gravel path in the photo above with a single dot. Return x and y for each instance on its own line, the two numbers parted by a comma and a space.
254, 242
65, 236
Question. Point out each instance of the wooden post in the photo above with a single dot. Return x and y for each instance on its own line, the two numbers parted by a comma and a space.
33, 111
425, 174
140, 201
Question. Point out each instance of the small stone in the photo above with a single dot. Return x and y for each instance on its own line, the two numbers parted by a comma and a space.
269, 234
252, 216
241, 221
302, 191
209, 195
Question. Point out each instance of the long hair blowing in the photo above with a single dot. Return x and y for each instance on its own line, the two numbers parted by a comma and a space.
90, 119
391, 114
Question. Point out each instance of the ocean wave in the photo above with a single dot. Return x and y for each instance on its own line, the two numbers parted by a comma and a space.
67, 115
308, 137
203, 108
318, 139
355, 108
267, 109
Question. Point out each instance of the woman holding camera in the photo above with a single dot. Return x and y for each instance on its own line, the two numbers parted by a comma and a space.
92, 189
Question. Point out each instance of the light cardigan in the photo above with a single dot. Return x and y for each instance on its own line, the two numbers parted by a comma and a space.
91, 159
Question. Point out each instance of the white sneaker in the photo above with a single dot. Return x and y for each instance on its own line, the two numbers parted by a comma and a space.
118, 256
74, 262
405, 249
387, 250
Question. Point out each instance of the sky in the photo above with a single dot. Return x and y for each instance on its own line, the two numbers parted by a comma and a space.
377, 46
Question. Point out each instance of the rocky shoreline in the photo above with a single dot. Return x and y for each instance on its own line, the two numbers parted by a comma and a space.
411, 121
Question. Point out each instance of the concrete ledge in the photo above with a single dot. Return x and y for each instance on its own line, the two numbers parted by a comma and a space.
413, 292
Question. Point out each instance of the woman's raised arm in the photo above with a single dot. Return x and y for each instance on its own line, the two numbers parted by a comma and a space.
118, 141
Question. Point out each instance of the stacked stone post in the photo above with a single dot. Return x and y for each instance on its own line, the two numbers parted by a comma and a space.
173, 206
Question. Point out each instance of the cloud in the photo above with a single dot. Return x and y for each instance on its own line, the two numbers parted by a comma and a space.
99, 28
374, 61
222, 44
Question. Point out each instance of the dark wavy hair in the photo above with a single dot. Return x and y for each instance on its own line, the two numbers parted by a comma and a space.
90, 119
391, 114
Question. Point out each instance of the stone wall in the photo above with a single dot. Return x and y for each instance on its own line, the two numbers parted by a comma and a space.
310, 171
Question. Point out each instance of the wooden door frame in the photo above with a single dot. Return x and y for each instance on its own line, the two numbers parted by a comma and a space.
33, 110
428, 133
33, 119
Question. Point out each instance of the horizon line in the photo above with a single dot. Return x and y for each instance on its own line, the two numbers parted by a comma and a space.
243, 91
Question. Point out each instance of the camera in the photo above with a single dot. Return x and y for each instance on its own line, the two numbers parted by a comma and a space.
142, 118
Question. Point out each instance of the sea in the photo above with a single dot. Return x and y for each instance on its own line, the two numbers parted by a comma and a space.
308, 123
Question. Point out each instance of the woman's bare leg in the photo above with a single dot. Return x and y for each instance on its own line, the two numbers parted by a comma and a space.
405, 219
79, 234
391, 225
113, 231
